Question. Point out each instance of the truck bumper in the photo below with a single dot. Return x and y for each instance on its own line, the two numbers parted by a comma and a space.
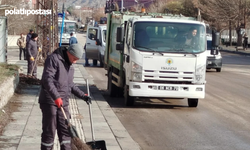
138, 89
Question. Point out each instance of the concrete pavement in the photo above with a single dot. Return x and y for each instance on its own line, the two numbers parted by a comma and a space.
24, 131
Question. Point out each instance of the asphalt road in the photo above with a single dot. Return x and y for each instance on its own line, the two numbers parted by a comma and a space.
220, 122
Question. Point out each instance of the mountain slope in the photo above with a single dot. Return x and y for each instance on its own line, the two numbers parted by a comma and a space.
83, 3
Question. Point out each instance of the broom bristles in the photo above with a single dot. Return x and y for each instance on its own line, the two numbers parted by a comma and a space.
78, 144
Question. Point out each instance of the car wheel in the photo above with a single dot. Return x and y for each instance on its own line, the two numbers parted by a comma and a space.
218, 69
193, 102
94, 62
101, 61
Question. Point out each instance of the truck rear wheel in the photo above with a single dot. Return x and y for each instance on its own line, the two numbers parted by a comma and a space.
111, 86
129, 100
193, 102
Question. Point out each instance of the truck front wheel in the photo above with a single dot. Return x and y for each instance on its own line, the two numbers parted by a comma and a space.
192, 102
129, 101
111, 86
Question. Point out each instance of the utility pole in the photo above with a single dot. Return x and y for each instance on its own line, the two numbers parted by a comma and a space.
62, 25
80, 14
245, 8
47, 26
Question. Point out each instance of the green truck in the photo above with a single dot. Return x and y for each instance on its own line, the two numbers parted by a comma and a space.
147, 55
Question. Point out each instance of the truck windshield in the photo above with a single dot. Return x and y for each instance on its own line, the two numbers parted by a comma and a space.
166, 37
68, 27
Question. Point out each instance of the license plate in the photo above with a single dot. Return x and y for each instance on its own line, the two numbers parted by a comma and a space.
168, 88
209, 62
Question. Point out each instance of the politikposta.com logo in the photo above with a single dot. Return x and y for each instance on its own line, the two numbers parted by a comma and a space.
27, 12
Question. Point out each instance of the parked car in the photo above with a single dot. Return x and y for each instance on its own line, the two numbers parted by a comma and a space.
95, 43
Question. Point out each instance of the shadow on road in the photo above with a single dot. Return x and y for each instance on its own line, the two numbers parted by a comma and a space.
118, 102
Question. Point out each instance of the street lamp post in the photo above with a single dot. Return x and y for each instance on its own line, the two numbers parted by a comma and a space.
80, 9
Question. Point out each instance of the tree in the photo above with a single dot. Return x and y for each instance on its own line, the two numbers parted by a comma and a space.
225, 14
183, 7
18, 23
98, 14
157, 6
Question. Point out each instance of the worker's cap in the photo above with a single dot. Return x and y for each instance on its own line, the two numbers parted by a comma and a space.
76, 50
34, 35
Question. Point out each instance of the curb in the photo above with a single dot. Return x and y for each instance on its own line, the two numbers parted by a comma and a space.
121, 139
7, 89
235, 52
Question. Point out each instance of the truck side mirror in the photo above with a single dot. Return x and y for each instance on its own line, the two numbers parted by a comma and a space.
215, 39
119, 47
215, 43
119, 34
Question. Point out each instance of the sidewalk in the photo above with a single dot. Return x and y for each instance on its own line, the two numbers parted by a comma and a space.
24, 132
232, 49
12, 40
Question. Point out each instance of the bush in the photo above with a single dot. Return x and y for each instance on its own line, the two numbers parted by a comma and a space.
7, 70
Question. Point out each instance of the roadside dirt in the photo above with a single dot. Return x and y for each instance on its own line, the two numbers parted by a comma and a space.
12, 105
6, 111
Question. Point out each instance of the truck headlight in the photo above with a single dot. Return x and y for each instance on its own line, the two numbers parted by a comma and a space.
136, 76
136, 72
136, 67
218, 57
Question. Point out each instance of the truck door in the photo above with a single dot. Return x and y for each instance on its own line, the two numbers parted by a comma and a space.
91, 47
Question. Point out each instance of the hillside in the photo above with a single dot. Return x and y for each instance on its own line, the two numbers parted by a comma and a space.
83, 3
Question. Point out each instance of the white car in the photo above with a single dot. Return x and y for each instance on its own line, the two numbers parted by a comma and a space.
96, 43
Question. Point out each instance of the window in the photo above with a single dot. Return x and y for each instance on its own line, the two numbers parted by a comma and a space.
68, 27
128, 33
104, 35
169, 37
92, 34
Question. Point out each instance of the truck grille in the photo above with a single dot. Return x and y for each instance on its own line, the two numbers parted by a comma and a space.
174, 77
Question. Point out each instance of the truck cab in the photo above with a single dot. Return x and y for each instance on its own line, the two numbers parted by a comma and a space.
96, 43
156, 56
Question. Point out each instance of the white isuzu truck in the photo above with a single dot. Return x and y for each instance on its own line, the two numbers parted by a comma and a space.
152, 55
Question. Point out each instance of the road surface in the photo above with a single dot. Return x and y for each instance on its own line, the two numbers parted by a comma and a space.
220, 122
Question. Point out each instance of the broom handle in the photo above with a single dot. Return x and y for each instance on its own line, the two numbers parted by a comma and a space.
90, 113
64, 113
35, 63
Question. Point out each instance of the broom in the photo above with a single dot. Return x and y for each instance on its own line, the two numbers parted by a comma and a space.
76, 142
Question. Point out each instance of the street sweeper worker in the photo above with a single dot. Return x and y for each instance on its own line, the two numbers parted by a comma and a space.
32, 51
56, 87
